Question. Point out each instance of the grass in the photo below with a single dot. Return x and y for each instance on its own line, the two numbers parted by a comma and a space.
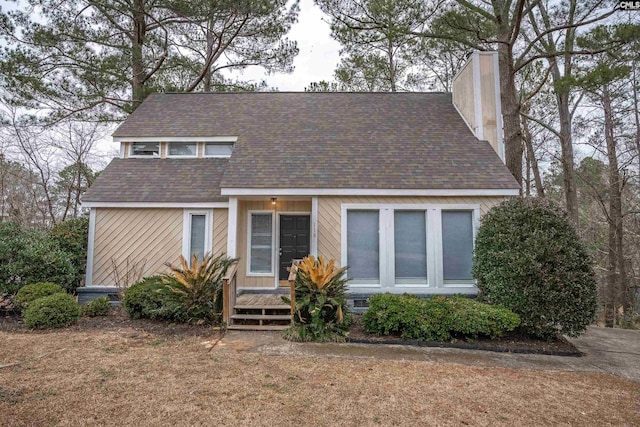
131, 374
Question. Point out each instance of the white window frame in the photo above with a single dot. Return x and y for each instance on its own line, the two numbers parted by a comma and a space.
137, 156
231, 142
181, 156
250, 213
186, 230
433, 212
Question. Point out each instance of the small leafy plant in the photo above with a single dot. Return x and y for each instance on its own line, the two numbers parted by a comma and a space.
29, 293
97, 307
150, 299
54, 311
199, 285
321, 312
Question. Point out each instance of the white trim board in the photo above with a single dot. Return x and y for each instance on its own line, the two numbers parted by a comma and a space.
88, 280
362, 192
175, 139
192, 205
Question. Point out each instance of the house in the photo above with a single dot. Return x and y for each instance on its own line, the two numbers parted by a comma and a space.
391, 184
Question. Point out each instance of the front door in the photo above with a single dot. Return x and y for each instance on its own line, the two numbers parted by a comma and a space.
294, 241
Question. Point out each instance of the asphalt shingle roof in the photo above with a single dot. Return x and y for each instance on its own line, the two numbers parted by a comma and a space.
159, 180
305, 140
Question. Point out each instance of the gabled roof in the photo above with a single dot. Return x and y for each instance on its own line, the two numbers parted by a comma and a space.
328, 140
159, 180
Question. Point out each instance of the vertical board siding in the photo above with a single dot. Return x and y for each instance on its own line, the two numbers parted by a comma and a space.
329, 211
462, 88
488, 100
149, 236
244, 206
220, 229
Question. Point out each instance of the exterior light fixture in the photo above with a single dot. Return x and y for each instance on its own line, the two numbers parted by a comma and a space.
274, 200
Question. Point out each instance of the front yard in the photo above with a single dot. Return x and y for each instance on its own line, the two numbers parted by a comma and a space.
121, 372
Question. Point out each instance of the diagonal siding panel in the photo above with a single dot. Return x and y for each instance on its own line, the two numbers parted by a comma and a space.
152, 236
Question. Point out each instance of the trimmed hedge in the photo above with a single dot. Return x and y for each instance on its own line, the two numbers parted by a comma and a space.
29, 293
437, 318
54, 311
152, 299
529, 258
97, 307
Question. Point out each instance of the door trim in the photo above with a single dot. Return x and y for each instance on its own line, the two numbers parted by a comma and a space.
277, 246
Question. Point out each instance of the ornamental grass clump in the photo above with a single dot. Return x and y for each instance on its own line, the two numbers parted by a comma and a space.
199, 285
320, 308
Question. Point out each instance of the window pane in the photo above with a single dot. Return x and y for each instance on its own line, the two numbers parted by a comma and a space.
457, 244
363, 246
197, 235
145, 149
218, 149
410, 246
183, 149
261, 243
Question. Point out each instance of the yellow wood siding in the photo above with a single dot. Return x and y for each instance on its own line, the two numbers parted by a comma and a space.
258, 205
329, 215
220, 228
488, 100
149, 236
463, 94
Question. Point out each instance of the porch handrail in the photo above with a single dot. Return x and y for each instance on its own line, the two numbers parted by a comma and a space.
229, 286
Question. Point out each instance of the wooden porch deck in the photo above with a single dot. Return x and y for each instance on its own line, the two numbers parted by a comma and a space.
261, 300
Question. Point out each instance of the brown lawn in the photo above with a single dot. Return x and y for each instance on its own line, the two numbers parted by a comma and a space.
131, 376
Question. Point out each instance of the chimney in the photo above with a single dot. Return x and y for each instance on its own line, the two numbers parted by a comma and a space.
476, 96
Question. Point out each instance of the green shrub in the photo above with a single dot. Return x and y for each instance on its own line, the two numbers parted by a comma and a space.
321, 311
97, 307
31, 256
151, 299
54, 311
198, 285
528, 258
72, 236
437, 318
29, 293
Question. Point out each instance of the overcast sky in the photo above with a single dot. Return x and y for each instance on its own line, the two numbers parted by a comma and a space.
318, 57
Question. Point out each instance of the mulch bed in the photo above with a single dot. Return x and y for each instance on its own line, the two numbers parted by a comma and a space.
512, 343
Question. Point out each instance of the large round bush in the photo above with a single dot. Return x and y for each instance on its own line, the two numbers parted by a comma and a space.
54, 311
152, 299
528, 258
27, 294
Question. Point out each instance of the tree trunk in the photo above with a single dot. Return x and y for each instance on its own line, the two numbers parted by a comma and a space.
531, 156
208, 75
392, 68
139, 31
566, 144
510, 111
616, 277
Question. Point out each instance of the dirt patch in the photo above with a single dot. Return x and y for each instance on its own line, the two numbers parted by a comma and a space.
512, 343
137, 374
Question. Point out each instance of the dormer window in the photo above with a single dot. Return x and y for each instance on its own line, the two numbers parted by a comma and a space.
218, 149
183, 149
145, 149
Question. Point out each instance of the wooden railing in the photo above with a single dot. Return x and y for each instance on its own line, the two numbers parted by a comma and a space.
293, 272
229, 286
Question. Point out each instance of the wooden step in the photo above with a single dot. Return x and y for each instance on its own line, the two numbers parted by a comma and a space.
262, 307
261, 316
258, 327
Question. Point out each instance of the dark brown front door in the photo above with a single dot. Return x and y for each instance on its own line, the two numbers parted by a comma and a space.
294, 240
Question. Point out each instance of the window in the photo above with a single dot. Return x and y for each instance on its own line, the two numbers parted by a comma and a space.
183, 149
410, 243
457, 245
260, 255
404, 246
196, 234
218, 149
145, 149
363, 246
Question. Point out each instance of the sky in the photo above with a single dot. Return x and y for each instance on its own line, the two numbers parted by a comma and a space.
318, 56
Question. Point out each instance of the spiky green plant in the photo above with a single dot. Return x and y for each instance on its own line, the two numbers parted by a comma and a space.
199, 285
321, 312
